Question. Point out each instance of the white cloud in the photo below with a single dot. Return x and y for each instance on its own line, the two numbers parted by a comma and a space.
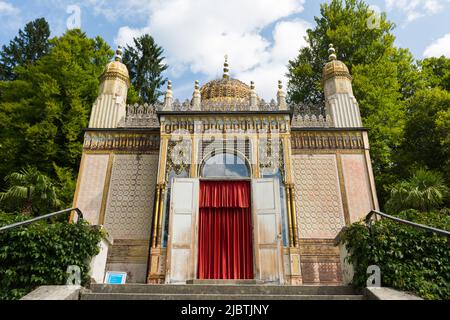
415, 9
288, 39
7, 9
9, 17
196, 34
439, 47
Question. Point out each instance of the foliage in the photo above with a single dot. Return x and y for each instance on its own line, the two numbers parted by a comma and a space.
425, 191
45, 110
411, 260
427, 131
39, 254
145, 64
436, 72
65, 186
343, 23
30, 192
27, 47
383, 75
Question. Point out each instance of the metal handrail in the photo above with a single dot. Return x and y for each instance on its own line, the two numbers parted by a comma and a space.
47, 216
409, 223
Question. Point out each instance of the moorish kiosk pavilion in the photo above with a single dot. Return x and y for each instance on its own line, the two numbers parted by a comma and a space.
226, 186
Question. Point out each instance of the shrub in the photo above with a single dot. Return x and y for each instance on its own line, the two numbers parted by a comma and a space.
39, 254
410, 259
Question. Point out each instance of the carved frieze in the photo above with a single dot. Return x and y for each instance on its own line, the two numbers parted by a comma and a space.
316, 140
128, 142
225, 124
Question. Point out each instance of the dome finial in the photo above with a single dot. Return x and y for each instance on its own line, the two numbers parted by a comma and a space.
332, 53
226, 68
119, 52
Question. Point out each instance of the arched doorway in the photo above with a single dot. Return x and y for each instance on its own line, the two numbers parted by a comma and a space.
225, 238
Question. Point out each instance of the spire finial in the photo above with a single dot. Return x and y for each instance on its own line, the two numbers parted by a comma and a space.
197, 85
169, 85
332, 53
119, 54
252, 85
280, 84
226, 68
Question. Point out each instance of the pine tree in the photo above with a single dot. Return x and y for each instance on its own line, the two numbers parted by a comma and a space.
145, 65
28, 47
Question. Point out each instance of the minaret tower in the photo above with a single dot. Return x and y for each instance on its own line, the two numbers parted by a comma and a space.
110, 107
340, 102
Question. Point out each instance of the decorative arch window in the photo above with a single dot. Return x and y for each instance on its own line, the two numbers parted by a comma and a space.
225, 165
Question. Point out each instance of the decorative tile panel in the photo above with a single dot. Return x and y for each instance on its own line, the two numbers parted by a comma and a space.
92, 182
357, 186
320, 260
320, 213
131, 196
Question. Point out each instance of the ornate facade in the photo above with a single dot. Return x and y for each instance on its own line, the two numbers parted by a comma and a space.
308, 169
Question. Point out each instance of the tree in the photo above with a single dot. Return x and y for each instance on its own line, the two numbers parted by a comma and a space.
29, 46
436, 72
343, 23
45, 110
145, 65
425, 191
384, 76
427, 132
30, 192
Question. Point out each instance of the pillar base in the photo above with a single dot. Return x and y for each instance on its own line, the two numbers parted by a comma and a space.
157, 266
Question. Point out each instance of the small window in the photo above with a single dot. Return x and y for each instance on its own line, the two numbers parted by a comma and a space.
225, 165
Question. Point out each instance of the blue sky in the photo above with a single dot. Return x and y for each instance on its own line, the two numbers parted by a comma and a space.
259, 36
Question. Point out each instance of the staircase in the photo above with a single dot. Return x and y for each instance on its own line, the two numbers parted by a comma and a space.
218, 292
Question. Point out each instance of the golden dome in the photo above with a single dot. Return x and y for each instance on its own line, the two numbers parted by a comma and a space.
335, 68
116, 69
225, 89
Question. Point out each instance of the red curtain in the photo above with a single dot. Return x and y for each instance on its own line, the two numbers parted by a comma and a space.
225, 231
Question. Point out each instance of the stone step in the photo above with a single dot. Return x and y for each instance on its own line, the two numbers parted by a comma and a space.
222, 289
225, 282
212, 297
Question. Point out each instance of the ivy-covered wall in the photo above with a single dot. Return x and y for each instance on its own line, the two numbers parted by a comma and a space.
410, 259
39, 254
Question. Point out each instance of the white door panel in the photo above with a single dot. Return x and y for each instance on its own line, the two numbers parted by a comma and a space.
181, 258
267, 218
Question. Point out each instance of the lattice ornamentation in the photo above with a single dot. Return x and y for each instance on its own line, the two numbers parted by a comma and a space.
271, 157
318, 196
216, 146
131, 195
179, 157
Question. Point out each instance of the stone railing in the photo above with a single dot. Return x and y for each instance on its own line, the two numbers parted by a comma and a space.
141, 116
305, 115
311, 121
235, 105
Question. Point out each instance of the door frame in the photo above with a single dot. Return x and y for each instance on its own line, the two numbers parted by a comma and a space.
234, 179
255, 238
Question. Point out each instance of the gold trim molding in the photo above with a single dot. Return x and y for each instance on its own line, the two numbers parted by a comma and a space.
121, 142
321, 140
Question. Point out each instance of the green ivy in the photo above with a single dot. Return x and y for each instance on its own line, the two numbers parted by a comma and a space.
410, 259
39, 254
